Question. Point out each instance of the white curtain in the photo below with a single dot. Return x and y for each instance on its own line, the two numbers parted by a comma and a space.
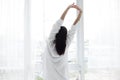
11, 39
102, 31
15, 40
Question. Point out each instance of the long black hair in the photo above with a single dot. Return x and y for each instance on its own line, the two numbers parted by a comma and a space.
60, 40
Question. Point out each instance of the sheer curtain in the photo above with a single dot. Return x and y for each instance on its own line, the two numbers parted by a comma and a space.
15, 48
11, 39
101, 23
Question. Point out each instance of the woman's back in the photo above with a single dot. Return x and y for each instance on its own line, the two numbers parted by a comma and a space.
56, 64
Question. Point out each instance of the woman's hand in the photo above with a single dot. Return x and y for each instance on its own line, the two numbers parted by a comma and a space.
75, 6
66, 10
71, 6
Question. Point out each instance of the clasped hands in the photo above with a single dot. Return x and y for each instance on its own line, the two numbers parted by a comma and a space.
75, 6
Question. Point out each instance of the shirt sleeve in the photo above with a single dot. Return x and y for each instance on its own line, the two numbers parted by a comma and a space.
55, 29
71, 33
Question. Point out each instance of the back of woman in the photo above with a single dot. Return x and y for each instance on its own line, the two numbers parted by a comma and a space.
56, 52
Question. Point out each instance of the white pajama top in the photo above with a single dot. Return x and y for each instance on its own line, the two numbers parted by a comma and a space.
56, 66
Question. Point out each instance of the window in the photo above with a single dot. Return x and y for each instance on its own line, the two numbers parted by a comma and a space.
25, 26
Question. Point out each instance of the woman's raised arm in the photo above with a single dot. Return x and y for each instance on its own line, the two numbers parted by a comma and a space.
79, 14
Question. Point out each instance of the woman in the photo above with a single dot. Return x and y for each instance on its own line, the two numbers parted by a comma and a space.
56, 65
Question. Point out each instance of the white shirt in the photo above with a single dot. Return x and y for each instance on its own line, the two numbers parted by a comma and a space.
56, 66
